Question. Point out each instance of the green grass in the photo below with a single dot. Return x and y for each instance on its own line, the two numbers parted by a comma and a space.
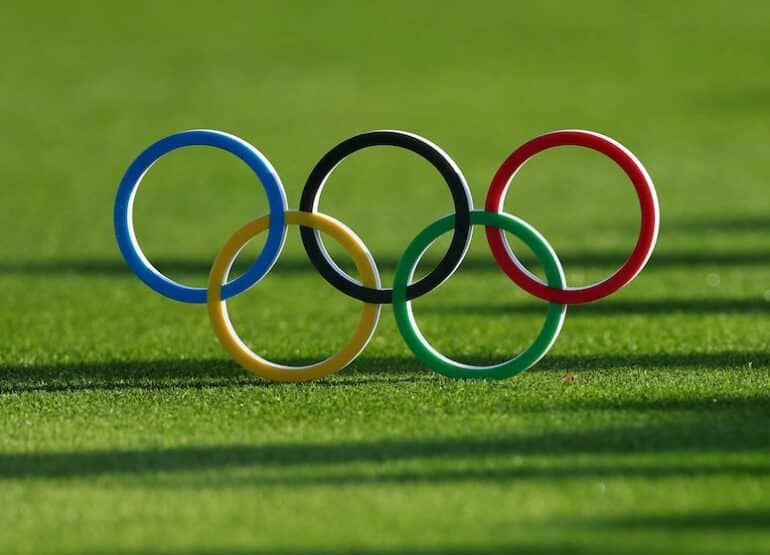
125, 428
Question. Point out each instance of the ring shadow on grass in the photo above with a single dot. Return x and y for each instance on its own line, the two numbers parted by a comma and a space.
611, 541
612, 308
199, 374
746, 224
613, 537
611, 259
709, 443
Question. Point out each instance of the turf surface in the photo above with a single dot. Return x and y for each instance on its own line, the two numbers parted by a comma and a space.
125, 427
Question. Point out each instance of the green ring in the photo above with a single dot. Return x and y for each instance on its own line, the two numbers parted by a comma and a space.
402, 308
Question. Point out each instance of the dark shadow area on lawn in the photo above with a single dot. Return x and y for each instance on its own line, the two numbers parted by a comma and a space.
735, 404
498, 474
749, 224
116, 266
736, 520
200, 374
179, 374
717, 432
505, 549
714, 361
611, 308
730, 521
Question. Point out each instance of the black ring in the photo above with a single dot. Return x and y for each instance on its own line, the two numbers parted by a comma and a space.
461, 195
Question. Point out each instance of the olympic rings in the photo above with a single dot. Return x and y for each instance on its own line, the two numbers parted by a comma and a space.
220, 320
402, 308
369, 289
461, 196
124, 213
648, 201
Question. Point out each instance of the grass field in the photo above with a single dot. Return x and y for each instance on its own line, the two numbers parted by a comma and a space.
124, 426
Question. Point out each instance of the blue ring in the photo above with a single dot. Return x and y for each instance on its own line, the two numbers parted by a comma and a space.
124, 202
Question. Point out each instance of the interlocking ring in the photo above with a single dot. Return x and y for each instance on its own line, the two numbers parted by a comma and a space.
369, 289
124, 213
407, 325
648, 201
220, 320
461, 196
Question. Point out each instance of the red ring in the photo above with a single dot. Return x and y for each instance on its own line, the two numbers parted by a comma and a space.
648, 202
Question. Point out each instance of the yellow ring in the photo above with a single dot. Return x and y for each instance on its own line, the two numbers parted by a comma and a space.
220, 319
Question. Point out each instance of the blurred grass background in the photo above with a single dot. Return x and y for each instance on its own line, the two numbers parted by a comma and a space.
127, 429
